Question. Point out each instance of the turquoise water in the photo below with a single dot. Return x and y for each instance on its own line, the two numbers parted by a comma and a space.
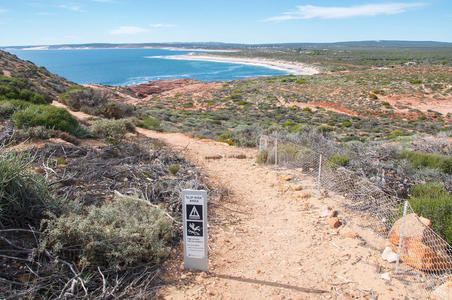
133, 66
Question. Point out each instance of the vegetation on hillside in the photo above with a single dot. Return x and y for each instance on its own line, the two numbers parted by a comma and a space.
82, 221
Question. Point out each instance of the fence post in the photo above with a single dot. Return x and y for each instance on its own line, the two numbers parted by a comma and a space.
318, 177
401, 236
276, 152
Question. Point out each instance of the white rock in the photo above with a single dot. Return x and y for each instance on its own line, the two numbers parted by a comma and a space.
392, 257
385, 276
389, 255
328, 212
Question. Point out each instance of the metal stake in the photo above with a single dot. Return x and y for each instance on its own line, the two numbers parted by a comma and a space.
318, 177
401, 236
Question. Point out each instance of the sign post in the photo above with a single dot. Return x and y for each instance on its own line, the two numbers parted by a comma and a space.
194, 212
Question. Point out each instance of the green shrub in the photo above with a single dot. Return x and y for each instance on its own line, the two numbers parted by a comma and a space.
416, 81
96, 102
324, 128
337, 160
110, 129
227, 141
6, 110
124, 232
295, 128
386, 104
18, 104
373, 96
347, 123
308, 109
11, 92
288, 124
301, 81
173, 169
242, 102
117, 110
288, 152
34, 133
226, 135
48, 116
151, 123
434, 161
24, 194
396, 133
262, 157
431, 201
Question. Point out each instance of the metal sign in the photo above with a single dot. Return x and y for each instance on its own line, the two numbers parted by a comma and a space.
194, 212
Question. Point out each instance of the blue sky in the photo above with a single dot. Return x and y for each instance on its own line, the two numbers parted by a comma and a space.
43, 22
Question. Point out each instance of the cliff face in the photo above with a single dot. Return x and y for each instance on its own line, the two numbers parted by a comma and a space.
37, 79
159, 86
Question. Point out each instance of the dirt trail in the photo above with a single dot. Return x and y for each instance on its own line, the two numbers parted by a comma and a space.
267, 241
279, 248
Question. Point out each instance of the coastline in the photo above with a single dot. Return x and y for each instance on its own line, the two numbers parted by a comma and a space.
290, 67
97, 48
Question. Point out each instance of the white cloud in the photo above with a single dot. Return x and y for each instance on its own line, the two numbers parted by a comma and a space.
2, 10
336, 12
72, 7
163, 25
128, 30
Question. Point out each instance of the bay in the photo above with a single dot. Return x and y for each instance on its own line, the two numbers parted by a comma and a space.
134, 66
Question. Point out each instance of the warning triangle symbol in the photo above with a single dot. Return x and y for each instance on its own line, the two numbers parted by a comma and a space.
194, 213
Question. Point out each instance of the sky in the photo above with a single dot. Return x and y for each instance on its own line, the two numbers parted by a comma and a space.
46, 22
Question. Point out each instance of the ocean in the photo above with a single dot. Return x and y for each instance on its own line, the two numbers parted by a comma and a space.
134, 66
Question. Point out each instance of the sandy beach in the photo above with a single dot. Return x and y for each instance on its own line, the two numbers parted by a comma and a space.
290, 67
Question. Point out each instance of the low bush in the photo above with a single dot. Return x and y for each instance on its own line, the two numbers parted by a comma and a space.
337, 160
416, 81
373, 96
288, 152
226, 135
301, 81
118, 110
11, 92
347, 123
173, 169
6, 110
227, 141
262, 157
434, 161
24, 194
324, 128
295, 128
386, 104
110, 129
96, 102
151, 123
34, 133
431, 201
396, 133
125, 232
48, 116
18, 104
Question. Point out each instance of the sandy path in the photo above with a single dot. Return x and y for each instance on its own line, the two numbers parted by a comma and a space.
280, 248
267, 241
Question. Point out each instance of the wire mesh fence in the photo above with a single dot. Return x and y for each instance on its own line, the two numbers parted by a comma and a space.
419, 251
